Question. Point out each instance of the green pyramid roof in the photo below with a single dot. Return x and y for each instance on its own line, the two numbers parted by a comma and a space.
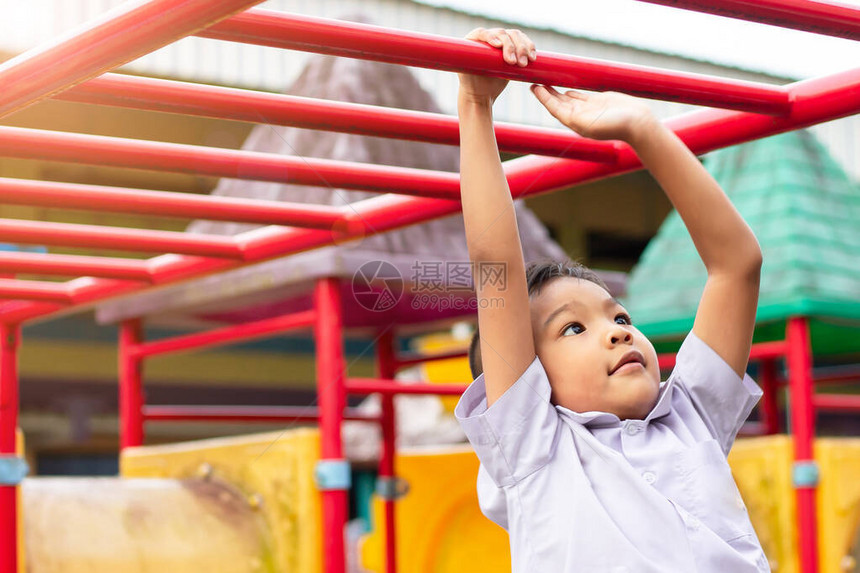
804, 210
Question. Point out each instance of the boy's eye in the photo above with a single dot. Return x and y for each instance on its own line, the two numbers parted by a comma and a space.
574, 328
623, 319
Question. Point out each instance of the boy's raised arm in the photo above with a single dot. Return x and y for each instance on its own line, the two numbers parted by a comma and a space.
726, 315
504, 319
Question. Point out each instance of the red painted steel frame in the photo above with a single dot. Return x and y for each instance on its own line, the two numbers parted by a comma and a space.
369, 42
768, 379
74, 265
831, 18
121, 35
386, 366
837, 402
387, 386
799, 359
164, 204
130, 385
226, 335
309, 113
180, 158
331, 369
235, 414
9, 342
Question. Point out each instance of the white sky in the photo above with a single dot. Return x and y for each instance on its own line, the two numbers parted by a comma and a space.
747, 45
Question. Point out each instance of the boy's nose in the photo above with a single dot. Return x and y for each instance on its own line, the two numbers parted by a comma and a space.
619, 336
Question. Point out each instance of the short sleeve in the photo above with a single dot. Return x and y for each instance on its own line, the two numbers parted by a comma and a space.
722, 399
517, 435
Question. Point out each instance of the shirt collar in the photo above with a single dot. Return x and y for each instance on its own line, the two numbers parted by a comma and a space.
598, 419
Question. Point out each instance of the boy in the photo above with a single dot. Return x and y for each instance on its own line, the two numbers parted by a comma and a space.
588, 461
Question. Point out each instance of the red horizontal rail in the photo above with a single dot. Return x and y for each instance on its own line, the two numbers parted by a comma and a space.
381, 386
369, 42
181, 158
837, 402
34, 290
226, 335
254, 414
121, 35
817, 100
165, 204
766, 350
117, 238
830, 18
759, 351
73, 265
310, 113
837, 374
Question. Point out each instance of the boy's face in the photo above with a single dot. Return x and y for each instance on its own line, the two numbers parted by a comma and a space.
594, 358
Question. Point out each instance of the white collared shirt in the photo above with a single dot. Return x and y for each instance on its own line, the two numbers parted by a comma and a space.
583, 492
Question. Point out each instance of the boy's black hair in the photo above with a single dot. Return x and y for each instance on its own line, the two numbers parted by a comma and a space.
538, 274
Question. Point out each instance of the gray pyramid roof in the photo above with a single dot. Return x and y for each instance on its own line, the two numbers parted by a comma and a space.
279, 285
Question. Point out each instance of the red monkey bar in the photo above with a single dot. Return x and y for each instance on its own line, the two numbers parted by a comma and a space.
119, 37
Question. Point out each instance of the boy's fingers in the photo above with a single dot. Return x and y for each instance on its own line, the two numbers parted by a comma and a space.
524, 46
576, 94
549, 99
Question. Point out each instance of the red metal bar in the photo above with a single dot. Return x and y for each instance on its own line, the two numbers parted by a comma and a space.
121, 35
405, 360
831, 18
164, 204
768, 350
309, 113
254, 414
803, 433
331, 370
758, 351
34, 290
9, 341
837, 402
117, 238
130, 385
181, 158
353, 40
769, 381
666, 361
226, 335
837, 374
386, 366
73, 265
390, 387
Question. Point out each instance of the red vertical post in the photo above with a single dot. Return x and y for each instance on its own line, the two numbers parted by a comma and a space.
130, 385
805, 471
9, 340
386, 369
332, 470
769, 403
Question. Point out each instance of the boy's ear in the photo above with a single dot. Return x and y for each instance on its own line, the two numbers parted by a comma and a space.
475, 355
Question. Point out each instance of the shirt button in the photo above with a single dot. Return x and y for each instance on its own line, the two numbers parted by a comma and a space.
649, 477
632, 429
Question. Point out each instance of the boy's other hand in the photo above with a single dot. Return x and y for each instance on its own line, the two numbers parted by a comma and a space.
517, 50
606, 115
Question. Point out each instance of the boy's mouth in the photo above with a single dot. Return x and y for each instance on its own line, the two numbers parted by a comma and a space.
634, 357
